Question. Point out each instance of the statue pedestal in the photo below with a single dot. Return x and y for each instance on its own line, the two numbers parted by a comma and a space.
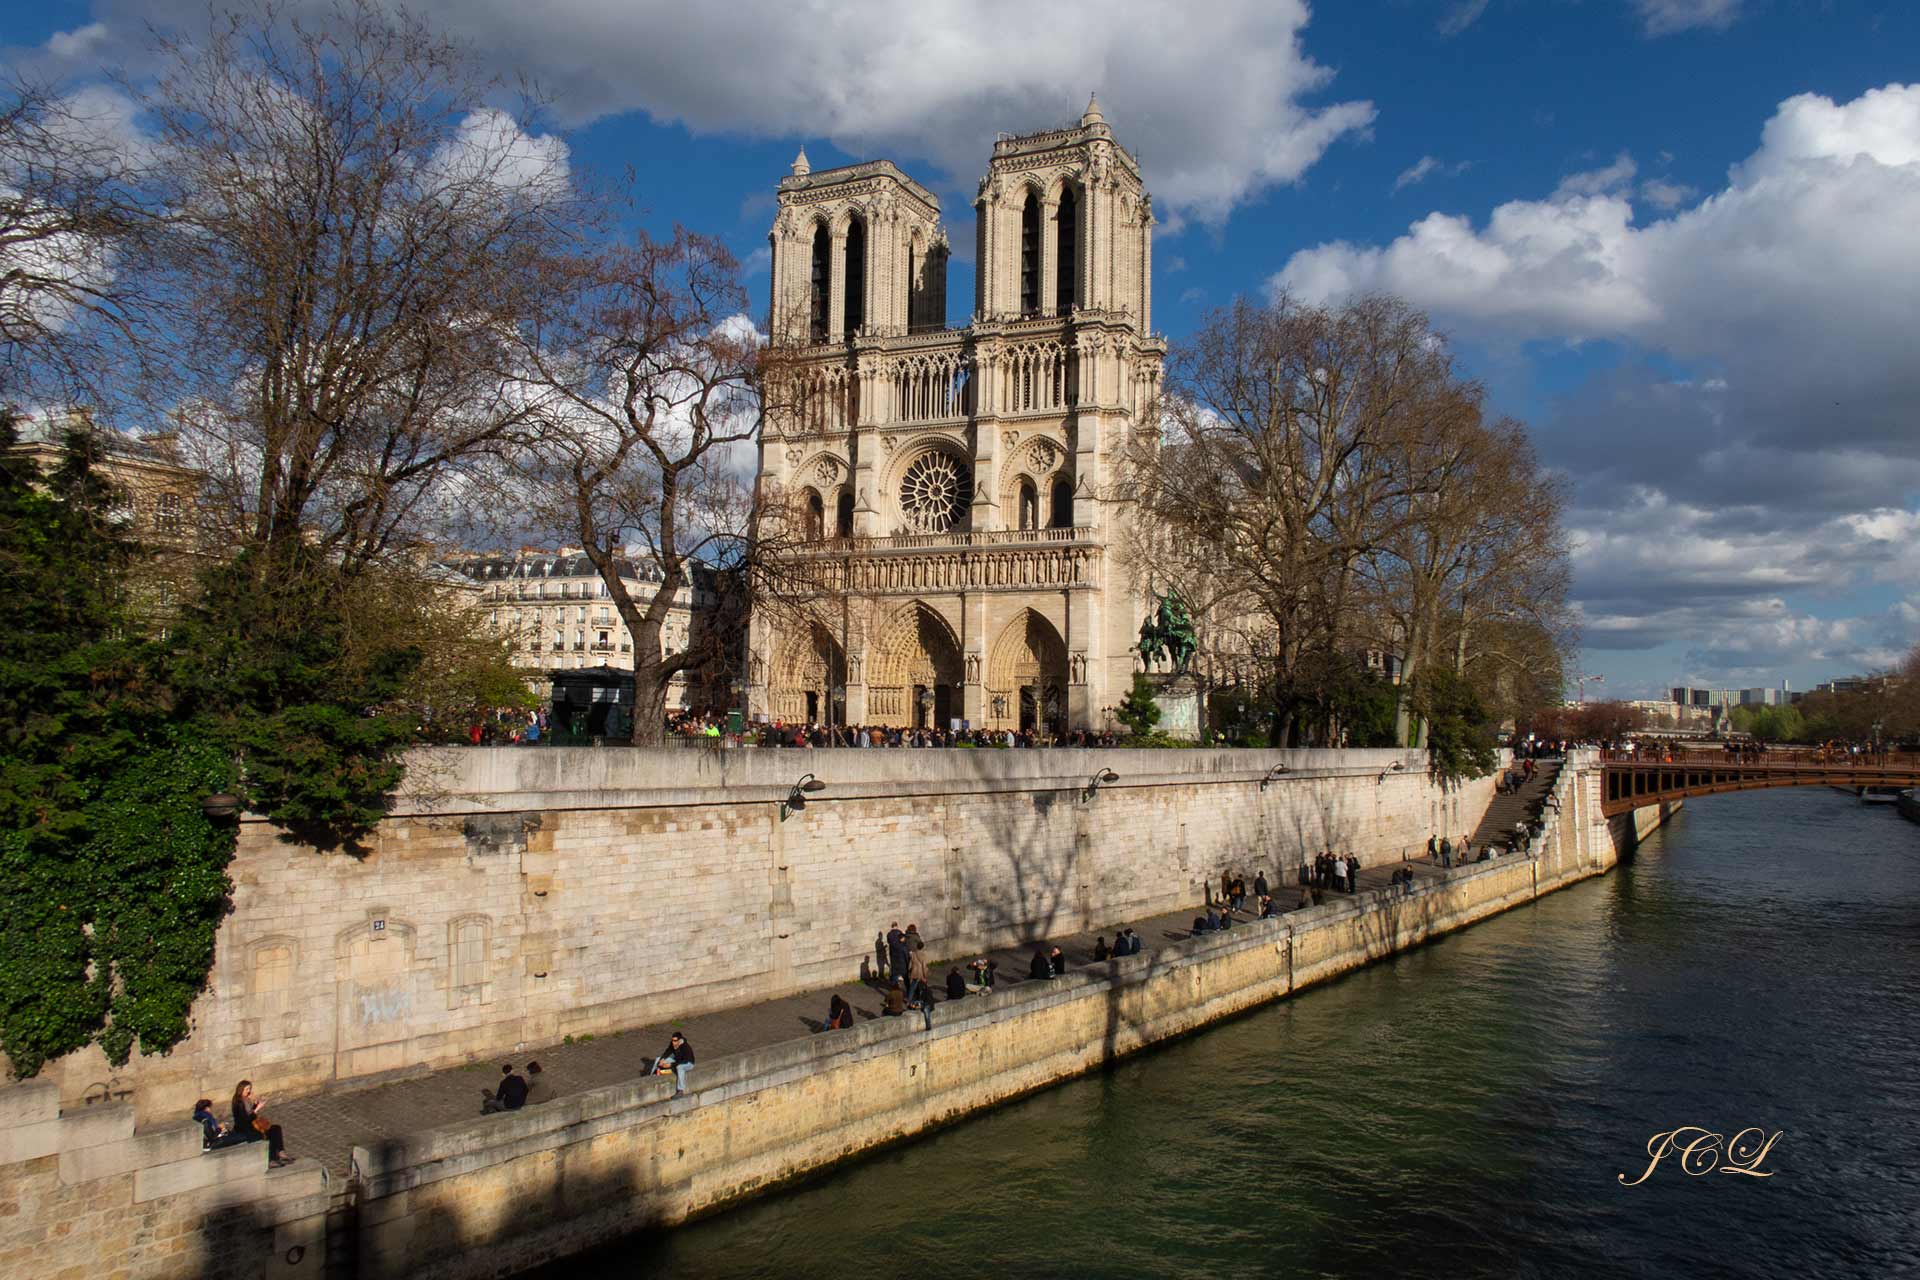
1178, 697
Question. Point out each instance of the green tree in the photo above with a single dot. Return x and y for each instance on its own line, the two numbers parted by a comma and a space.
1460, 733
265, 661
115, 878
1138, 711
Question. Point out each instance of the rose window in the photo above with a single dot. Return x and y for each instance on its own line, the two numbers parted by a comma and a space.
935, 492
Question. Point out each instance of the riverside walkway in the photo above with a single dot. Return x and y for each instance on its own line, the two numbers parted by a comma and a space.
324, 1127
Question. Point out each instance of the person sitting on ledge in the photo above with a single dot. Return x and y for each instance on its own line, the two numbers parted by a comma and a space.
896, 1001
214, 1135
1213, 920
510, 1096
1199, 924
250, 1122
1268, 907
677, 1057
1058, 960
1042, 966
983, 971
839, 1014
1226, 921
956, 985
1100, 951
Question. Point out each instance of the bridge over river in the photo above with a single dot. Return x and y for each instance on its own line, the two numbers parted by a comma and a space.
1633, 782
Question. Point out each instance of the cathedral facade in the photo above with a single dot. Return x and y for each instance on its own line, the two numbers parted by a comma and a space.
960, 479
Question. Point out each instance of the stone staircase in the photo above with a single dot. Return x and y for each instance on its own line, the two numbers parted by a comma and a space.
1496, 825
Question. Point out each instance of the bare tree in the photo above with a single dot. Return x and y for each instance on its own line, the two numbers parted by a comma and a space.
1470, 564
1271, 458
651, 388
75, 220
357, 230
1330, 472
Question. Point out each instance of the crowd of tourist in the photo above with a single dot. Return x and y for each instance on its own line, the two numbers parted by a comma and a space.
781, 734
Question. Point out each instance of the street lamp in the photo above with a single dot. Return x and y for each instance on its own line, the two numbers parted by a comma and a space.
220, 806
1094, 783
1273, 774
1395, 767
797, 798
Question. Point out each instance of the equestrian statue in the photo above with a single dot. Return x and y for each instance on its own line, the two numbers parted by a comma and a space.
1168, 633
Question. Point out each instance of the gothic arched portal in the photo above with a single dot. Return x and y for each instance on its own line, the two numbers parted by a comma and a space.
1027, 676
914, 671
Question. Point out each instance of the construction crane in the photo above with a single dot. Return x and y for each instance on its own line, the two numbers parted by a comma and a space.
1582, 683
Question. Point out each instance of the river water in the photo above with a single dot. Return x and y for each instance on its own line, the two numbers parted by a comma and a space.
1464, 1109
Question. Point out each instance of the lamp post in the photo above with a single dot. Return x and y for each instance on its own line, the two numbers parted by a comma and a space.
797, 798
1094, 783
221, 806
1273, 775
1395, 767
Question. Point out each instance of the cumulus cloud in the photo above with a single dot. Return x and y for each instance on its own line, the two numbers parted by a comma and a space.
934, 86
1778, 283
1664, 17
1792, 429
491, 145
1652, 569
1664, 195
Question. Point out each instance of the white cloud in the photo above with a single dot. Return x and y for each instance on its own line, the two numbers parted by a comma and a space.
1780, 279
490, 144
1664, 195
78, 43
1426, 167
1664, 17
935, 85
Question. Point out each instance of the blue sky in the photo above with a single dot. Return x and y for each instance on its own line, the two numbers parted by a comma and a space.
1680, 238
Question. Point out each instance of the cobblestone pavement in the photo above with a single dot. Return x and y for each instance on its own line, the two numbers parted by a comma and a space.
325, 1126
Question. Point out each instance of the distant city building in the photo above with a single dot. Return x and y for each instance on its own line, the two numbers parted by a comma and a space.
556, 612
158, 497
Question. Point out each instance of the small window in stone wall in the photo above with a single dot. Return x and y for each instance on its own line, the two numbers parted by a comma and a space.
467, 942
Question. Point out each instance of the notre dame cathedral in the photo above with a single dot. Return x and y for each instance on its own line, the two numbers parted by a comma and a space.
962, 476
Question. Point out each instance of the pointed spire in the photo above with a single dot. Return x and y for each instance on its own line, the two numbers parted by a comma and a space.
1092, 114
800, 166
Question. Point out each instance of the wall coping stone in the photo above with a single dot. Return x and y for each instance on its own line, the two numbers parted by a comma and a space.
452, 781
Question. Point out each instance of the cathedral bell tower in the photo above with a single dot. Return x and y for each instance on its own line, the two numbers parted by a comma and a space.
857, 251
1065, 224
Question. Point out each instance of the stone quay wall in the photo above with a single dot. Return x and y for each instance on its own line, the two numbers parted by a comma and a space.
508, 1193
520, 895
83, 1194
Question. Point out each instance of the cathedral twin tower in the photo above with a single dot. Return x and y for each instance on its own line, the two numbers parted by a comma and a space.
961, 476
